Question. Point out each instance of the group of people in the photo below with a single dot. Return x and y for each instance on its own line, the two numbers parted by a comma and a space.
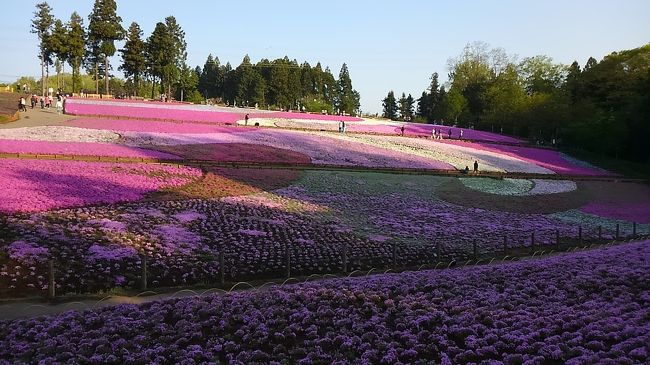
44, 101
475, 167
342, 126
437, 134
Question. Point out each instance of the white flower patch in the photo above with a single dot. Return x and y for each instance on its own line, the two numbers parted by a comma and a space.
552, 187
512, 187
59, 134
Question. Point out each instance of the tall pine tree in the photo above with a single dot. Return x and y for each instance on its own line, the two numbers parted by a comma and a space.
104, 29
42, 26
133, 55
76, 47
390, 106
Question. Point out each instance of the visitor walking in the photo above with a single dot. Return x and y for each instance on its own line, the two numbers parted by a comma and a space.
402, 130
433, 134
475, 166
22, 106
449, 132
343, 126
42, 103
33, 100
246, 120
461, 134
59, 104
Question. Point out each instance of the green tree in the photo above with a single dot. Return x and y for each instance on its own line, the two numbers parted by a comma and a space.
134, 63
104, 29
76, 39
348, 98
541, 75
390, 106
158, 54
42, 26
58, 46
211, 80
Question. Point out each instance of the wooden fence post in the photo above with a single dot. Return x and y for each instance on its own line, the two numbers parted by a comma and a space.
394, 255
51, 287
143, 262
600, 232
438, 252
557, 239
222, 268
633, 229
618, 230
505, 245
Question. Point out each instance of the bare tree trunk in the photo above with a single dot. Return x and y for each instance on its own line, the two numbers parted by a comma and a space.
42, 74
106, 75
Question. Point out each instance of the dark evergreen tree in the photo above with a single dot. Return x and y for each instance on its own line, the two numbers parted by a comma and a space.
390, 106
347, 99
42, 27
76, 39
134, 63
103, 30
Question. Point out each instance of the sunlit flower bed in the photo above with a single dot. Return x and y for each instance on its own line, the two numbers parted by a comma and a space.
80, 149
321, 149
550, 159
180, 112
588, 307
156, 111
35, 185
134, 125
59, 133
458, 156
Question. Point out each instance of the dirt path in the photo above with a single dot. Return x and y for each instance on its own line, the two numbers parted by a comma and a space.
38, 117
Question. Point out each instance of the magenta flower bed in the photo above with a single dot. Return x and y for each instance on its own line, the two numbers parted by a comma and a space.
424, 130
549, 159
583, 308
152, 126
638, 212
153, 111
37, 185
80, 149
305, 116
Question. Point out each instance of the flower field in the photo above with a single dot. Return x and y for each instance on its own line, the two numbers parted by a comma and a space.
80, 149
35, 185
254, 218
587, 307
122, 125
180, 112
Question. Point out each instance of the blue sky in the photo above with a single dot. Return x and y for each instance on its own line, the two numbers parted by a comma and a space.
388, 45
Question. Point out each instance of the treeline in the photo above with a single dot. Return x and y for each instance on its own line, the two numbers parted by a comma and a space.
603, 106
158, 64
279, 83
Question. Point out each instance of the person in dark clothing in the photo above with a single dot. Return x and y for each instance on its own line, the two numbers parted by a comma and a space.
402, 129
246, 120
475, 166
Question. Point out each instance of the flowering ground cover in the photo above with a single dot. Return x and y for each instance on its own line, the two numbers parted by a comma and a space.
59, 133
322, 149
35, 185
80, 149
225, 182
180, 112
236, 152
458, 156
156, 111
587, 307
424, 130
134, 125
550, 159
519, 187
621, 201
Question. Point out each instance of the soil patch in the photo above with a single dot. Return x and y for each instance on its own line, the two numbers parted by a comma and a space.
235, 152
